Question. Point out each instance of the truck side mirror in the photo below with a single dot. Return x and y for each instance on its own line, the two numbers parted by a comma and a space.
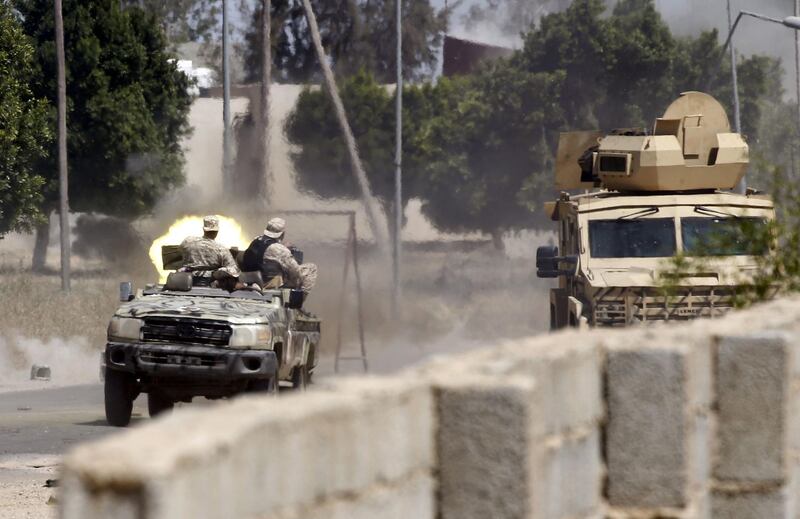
295, 299
547, 262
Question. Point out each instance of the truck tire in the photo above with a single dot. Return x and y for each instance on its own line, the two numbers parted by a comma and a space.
301, 378
158, 403
118, 391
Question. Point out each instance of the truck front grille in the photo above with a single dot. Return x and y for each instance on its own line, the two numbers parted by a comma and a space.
182, 331
623, 306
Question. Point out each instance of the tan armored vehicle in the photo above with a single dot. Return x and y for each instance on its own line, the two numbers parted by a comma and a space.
662, 193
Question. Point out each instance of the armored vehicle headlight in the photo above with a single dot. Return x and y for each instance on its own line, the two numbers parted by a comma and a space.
124, 328
249, 335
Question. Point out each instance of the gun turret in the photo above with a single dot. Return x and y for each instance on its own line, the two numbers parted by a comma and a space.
690, 148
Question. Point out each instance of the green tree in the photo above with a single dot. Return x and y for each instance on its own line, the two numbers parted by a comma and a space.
354, 34
479, 150
323, 159
487, 151
24, 130
127, 107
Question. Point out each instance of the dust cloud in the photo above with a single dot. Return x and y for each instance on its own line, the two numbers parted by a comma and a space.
71, 361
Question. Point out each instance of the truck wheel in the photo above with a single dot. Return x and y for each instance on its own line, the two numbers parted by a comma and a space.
301, 378
119, 397
158, 403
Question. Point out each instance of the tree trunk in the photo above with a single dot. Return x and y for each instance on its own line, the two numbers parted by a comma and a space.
41, 244
497, 240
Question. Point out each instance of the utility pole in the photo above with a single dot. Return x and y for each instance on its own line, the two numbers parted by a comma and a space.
266, 80
398, 165
226, 103
370, 205
741, 187
63, 184
797, 62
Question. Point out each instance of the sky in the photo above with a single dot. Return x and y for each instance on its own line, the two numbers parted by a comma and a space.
689, 17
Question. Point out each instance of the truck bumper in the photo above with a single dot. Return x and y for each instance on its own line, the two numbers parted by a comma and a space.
190, 362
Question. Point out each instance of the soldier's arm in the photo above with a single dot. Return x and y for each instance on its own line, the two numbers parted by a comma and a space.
289, 266
228, 262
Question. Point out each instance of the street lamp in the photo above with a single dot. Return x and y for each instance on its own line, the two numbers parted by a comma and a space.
793, 22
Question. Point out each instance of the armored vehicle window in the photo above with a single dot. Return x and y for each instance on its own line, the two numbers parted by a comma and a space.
643, 238
723, 236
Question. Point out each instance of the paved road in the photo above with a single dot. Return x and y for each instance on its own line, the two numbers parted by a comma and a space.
50, 421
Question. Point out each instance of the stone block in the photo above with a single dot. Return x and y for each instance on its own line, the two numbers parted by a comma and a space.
486, 446
409, 498
647, 431
571, 377
752, 390
762, 504
256, 455
572, 473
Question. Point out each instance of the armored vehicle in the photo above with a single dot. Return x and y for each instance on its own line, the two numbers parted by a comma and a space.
178, 340
661, 194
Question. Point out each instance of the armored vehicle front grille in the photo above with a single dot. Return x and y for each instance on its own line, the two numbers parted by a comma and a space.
623, 306
180, 359
195, 331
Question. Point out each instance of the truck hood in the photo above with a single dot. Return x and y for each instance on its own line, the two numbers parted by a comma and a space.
234, 311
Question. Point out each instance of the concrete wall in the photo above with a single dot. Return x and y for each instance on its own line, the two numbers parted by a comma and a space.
688, 421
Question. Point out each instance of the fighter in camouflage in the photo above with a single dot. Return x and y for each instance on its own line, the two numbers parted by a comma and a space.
662, 193
185, 339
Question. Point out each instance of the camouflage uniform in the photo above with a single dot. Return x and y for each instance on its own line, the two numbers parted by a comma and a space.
294, 275
202, 256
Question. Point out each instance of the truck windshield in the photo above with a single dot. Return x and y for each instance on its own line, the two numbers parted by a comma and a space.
723, 236
642, 238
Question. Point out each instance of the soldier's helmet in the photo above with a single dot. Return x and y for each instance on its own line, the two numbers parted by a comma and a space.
210, 223
275, 228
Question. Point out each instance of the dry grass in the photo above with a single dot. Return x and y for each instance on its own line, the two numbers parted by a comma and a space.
34, 306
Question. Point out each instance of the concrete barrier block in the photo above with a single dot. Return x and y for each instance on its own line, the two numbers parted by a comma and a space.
761, 504
255, 455
567, 366
572, 376
571, 483
753, 389
487, 447
409, 498
649, 426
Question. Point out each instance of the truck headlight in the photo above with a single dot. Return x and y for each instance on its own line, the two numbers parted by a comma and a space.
124, 328
250, 335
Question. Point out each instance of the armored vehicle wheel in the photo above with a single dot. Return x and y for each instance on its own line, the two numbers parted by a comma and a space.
119, 397
301, 378
158, 403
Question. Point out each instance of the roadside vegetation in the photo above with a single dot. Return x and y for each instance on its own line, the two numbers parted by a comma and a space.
479, 149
